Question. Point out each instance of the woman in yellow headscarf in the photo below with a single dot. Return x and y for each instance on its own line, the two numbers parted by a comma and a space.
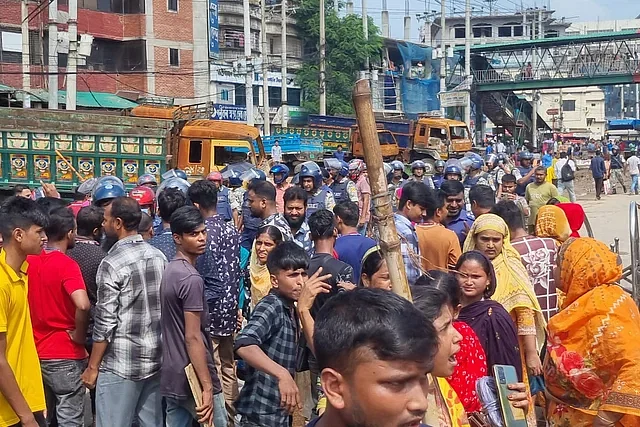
490, 235
552, 222
592, 364
267, 238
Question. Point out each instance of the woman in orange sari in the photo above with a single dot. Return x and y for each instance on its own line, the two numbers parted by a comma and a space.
552, 222
592, 367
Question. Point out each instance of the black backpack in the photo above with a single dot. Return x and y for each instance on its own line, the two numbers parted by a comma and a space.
566, 173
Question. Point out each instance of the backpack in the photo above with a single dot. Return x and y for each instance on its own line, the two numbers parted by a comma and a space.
566, 173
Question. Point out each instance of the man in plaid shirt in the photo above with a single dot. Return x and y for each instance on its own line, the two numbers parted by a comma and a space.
126, 356
269, 344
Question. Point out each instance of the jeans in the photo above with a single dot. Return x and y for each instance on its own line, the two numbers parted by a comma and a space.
226, 366
119, 401
64, 391
182, 413
634, 184
570, 187
599, 186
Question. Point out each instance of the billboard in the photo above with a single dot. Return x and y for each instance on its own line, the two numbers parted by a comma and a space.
229, 112
214, 30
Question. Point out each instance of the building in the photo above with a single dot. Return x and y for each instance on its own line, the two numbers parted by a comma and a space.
577, 111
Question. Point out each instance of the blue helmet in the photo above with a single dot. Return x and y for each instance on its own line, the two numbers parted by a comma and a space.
147, 178
252, 174
106, 189
477, 163
397, 165
282, 170
525, 155
503, 157
344, 168
308, 171
178, 173
453, 170
418, 164
440, 164
175, 182
491, 160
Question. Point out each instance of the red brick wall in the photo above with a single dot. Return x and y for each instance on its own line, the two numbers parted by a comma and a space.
171, 81
176, 26
110, 25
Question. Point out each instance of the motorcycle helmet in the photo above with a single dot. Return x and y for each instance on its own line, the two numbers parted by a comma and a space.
175, 182
440, 164
453, 170
147, 179
252, 174
525, 155
281, 170
178, 173
107, 188
311, 170
143, 195
214, 176
418, 164
356, 167
397, 165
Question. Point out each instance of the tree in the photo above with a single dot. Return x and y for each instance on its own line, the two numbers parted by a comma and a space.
346, 53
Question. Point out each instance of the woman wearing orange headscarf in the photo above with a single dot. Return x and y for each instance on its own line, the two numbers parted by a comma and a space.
592, 365
552, 222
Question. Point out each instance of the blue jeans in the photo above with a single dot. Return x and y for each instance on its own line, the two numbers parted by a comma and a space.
181, 413
634, 184
120, 401
64, 391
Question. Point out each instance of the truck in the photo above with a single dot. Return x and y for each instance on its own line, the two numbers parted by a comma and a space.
70, 147
297, 146
428, 138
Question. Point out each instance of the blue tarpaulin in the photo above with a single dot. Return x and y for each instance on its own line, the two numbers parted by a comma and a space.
419, 94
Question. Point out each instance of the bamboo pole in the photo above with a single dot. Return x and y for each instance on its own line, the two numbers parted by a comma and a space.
64, 159
383, 211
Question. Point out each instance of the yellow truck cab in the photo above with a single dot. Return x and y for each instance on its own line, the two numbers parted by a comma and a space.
450, 138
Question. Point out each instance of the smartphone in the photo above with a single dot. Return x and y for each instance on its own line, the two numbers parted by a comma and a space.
504, 375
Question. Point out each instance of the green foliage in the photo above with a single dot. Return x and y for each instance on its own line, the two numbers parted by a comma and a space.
346, 50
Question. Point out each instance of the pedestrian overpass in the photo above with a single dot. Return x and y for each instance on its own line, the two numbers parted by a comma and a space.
499, 70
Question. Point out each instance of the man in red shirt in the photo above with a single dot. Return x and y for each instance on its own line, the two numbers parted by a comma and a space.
59, 307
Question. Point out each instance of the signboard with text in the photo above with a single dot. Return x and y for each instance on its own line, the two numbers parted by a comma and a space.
229, 112
214, 29
453, 99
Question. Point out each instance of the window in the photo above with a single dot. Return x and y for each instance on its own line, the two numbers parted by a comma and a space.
504, 31
11, 47
551, 34
174, 57
518, 31
195, 151
241, 98
458, 32
482, 30
172, 5
569, 105
423, 130
435, 133
593, 104
293, 96
114, 6
111, 55
224, 95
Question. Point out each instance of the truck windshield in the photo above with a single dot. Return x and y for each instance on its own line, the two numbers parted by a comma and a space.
459, 132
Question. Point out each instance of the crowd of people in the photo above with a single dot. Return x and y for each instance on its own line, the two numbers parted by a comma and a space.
248, 279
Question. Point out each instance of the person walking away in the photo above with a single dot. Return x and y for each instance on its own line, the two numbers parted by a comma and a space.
219, 267
604, 394
411, 208
280, 174
295, 208
88, 254
60, 329
124, 366
357, 175
617, 169
223, 208
538, 256
276, 152
269, 343
22, 400
439, 246
185, 324
262, 203
565, 170
169, 200
634, 169
351, 246
457, 220
538, 193
598, 171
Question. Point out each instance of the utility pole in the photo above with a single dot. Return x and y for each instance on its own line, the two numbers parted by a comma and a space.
26, 60
443, 51
266, 130
467, 61
53, 55
365, 29
283, 95
384, 19
637, 115
323, 65
72, 65
349, 7
622, 101
248, 84
407, 21
560, 109
534, 93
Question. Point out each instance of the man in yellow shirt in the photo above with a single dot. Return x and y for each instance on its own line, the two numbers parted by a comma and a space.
21, 390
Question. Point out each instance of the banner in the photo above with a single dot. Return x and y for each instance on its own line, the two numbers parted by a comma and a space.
229, 112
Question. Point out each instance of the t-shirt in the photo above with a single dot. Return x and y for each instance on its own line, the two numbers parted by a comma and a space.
340, 272
314, 422
21, 351
560, 164
634, 165
538, 195
182, 289
53, 277
439, 247
363, 187
351, 249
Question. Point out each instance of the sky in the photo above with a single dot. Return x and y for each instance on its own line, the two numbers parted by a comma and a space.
573, 10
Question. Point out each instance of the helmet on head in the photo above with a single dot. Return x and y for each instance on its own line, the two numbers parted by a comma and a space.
252, 174
418, 164
477, 164
503, 157
214, 176
387, 168
525, 155
440, 164
397, 165
491, 160
281, 170
178, 173
108, 187
344, 168
453, 170
87, 186
356, 167
147, 178
309, 171
143, 195
175, 182
615, 148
